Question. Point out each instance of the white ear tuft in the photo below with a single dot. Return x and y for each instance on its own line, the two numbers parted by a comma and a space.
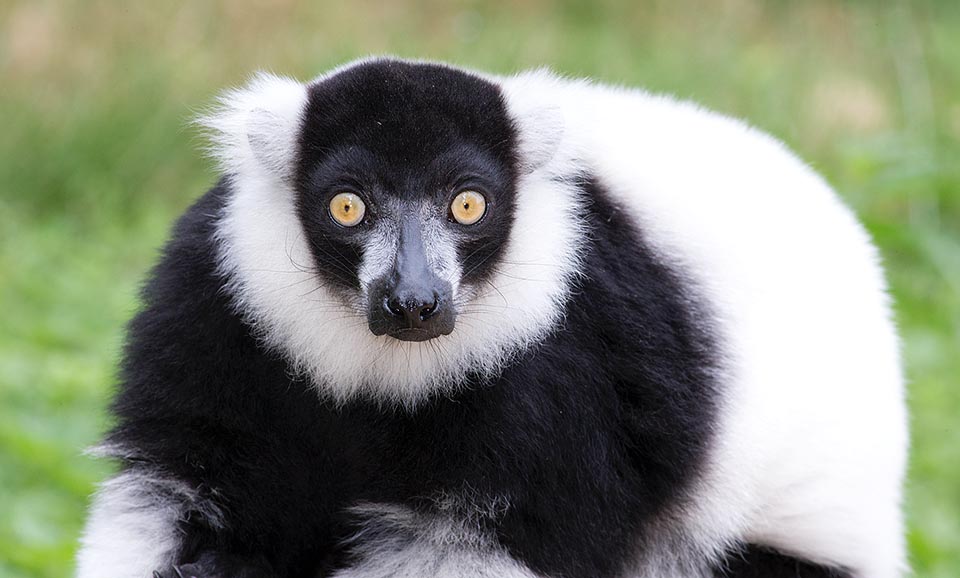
539, 120
255, 128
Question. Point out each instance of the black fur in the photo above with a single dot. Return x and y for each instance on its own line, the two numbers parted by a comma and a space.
587, 436
756, 562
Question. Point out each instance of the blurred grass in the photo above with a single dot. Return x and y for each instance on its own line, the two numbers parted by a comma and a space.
96, 159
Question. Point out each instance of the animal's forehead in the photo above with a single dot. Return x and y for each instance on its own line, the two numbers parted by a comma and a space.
407, 112
426, 177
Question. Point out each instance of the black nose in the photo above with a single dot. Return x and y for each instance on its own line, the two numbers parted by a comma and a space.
412, 314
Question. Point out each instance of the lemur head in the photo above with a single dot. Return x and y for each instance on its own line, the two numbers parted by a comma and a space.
406, 188
395, 228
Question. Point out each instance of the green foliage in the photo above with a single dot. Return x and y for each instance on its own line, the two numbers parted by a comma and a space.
97, 158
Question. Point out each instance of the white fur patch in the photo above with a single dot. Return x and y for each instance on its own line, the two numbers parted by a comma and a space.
273, 280
132, 527
396, 542
257, 126
812, 441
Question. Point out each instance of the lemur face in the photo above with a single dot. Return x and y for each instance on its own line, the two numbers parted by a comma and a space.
406, 189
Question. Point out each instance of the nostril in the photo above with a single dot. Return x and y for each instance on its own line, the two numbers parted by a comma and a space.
393, 307
427, 311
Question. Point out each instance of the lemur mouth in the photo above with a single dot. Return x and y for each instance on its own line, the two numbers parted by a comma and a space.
415, 334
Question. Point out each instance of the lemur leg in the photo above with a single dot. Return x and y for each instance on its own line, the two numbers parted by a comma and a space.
218, 565
396, 542
135, 529
132, 527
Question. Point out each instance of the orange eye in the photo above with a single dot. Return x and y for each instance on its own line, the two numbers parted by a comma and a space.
468, 207
347, 209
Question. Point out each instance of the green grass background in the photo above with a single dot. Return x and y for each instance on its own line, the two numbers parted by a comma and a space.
97, 158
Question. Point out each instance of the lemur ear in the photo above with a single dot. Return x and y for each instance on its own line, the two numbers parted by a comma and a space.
255, 129
539, 120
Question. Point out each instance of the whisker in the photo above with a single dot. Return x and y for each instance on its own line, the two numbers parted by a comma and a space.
530, 264
480, 264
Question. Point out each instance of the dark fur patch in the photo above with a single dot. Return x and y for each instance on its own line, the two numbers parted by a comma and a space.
757, 562
619, 404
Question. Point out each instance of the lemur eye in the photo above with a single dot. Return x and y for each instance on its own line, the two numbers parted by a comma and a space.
468, 207
347, 209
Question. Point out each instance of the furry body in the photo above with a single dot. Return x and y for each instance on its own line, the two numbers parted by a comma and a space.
673, 354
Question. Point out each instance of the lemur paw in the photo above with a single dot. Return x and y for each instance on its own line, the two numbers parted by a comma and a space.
211, 565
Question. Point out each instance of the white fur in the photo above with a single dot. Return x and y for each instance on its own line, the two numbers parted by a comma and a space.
132, 527
273, 281
396, 542
812, 443
257, 126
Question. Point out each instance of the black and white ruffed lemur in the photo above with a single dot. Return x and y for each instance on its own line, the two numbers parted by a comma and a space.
437, 323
